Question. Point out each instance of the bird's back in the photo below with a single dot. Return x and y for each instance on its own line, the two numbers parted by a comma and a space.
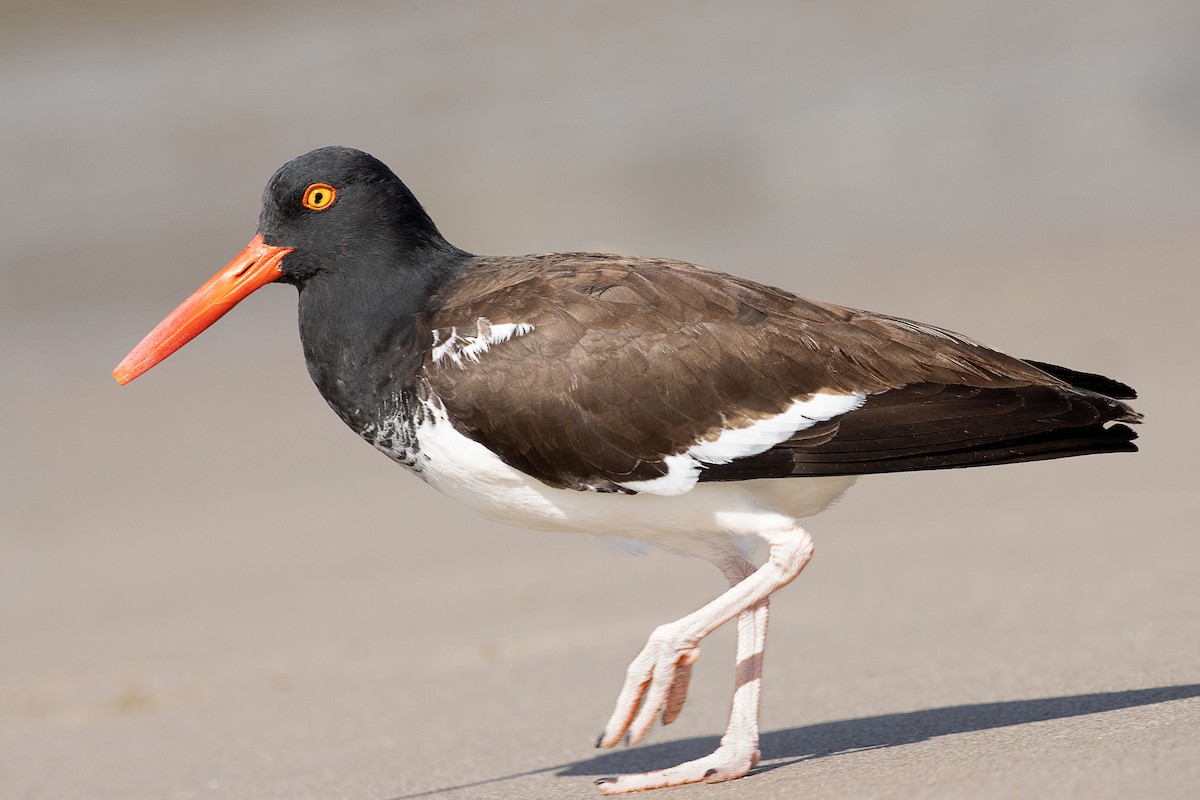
610, 365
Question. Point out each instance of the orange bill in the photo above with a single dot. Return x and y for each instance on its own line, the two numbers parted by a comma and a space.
254, 267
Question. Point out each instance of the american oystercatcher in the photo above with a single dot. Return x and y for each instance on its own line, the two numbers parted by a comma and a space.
634, 397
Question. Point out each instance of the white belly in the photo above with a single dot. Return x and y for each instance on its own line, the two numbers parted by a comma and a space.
687, 523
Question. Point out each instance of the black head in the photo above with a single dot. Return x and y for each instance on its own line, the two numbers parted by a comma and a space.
337, 207
339, 225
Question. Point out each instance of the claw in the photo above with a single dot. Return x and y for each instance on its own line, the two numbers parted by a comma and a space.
656, 683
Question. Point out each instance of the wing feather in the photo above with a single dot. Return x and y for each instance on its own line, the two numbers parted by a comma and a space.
629, 361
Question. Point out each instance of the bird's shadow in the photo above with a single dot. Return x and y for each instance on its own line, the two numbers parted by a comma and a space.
784, 747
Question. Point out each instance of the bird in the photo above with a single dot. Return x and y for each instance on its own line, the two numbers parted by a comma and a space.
632, 397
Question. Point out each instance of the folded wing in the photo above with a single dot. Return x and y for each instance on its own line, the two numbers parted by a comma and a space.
619, 374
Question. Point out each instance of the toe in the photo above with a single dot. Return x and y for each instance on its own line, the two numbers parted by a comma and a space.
656, 680
726, 764
677, 694
627, 705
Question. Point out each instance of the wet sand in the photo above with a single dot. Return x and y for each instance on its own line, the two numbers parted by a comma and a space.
210, 589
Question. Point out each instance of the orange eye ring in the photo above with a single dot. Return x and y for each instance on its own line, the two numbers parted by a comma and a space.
319, 196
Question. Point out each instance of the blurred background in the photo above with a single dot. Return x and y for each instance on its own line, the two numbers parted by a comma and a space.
208, 588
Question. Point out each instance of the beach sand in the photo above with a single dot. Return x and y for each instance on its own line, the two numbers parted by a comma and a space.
210, 589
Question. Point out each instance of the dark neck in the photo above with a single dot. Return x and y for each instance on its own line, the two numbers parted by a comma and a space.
362, 329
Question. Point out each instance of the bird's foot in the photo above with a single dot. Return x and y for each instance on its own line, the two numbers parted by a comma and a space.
655, 683
730, 760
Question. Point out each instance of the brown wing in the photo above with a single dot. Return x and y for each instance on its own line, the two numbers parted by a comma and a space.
631, 360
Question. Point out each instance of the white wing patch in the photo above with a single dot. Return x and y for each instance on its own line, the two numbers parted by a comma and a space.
683, 469
459, 348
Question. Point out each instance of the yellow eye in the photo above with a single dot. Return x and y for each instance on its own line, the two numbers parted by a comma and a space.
319, 196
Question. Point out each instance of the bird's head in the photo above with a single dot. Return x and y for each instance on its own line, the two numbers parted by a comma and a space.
332, 214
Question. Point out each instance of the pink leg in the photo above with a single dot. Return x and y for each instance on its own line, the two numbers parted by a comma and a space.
656, 682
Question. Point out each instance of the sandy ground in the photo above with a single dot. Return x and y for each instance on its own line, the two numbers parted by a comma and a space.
209, 589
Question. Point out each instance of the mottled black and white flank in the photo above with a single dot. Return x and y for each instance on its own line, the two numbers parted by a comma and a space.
645, 398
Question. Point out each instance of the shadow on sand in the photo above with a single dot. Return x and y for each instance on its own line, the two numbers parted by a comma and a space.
785, 747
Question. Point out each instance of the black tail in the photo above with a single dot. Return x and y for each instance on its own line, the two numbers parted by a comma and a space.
933, 426
1087, 381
